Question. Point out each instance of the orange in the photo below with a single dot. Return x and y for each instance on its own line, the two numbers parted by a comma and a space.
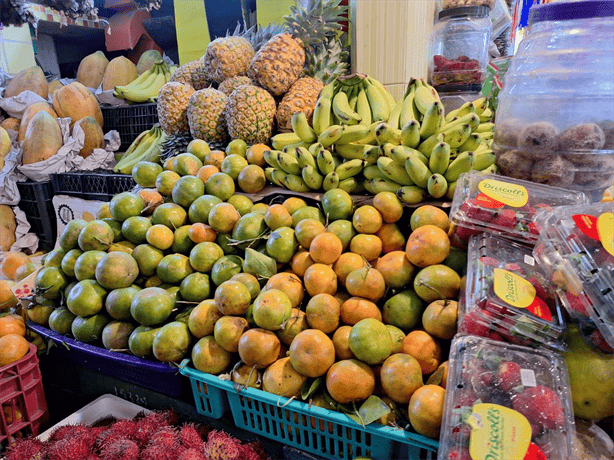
347, 263
368, 246
323, 312
427, 245
429, 215
294, 325
426, 410
186, 164
312, 353
215, 158
251, 179
392, 238
325, 248
440, 319
367, 219
277, 216
389, 206
355, 309
13, 347
160, 236
289, 284
208, 356
425, 348
12, 324
255, 154
350, 380
199, 233
293, 204
223, 217
203, 317
168, 164
300, 262
370, 341
320, 279
152, 199
306, 230
396, 269
199, 148
367, 283
165, 182
246, 376
205, 172
281, 379
342, 344
7, 299
400, 377
259, 347
228, 330
12, 261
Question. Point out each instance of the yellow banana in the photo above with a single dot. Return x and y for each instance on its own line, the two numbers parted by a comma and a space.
331, 181
472, 143
384, 92
451, 190
480, 105
395, 115
431, 120
326, 164
485, 128
483, 160
349, 168
489, 135
439, 159
371, 154
150, 74
322, 115
377, 102
304, 157
377, 185
437, 186
295, 183
372, 171
423, 99
492, 169
384, 133
471, 119
363, 109
270, 156
301, 127
279, 141
457, 135
427, 146
343, 111
331, 135
315, 148
400, 154
142, 95
268, 172
410, 134
460, 165
408, 111
486, 116
464, 109
411, 194
394, 171
417, 171
312, 177
353, 133
328, 91
288, 163
279, 177
349, 185
351, 151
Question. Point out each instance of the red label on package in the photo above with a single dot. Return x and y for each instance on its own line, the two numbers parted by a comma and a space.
484, 200
539, 308
534, 453
587, 225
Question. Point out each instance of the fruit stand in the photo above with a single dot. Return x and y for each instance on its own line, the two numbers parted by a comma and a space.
269, 253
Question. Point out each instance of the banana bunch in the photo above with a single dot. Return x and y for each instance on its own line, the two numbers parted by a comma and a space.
146, 147
147, 85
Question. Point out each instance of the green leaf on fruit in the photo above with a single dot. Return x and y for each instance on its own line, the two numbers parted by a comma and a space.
436, 378
372, 409
258, 264
310, 387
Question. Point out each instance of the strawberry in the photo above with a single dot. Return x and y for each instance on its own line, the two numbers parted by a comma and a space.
510, 267
505, 219
472, 323
474, 211
489, 261
575, 303
541, 406
465, 233
539, 289
543, 206
534, 228
508, 375
596, 340
465, 398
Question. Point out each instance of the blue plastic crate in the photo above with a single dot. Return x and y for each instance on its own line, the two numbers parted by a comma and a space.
153, 375
209, 393
312, 429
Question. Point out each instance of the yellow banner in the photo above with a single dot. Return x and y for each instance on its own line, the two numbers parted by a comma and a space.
192, 29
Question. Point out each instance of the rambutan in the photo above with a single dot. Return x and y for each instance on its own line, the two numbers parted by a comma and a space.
76, 448
221, 446
26, 449
64, 431
127, 428
147, 426
191, 454
258, 448
190, 438
166, 437
158, 452
122, 449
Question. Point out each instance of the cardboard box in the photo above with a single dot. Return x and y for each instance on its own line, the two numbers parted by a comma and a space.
68, 208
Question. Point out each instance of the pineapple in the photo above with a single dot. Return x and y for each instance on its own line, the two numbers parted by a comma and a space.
206, 115
174, 144
301, 97
229, 85
173, 102
192, 73
278, 64
227, 57
250, 114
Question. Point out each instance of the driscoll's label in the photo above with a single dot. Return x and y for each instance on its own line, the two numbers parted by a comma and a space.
519, 293
503, 193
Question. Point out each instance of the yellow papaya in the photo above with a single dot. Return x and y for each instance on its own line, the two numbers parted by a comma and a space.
29, 113
32, 79
120, 72
76, 101
43, 138
94, 137
91, 69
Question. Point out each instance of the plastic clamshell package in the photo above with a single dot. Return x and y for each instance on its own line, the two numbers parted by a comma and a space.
504, 206
576, 249
509, 293
506, 397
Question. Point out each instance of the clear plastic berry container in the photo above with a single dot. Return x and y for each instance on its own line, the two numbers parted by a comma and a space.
555, 118
576, 249
509, 297
508, 398
504, 206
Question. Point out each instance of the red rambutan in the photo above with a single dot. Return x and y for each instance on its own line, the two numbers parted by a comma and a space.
122, 449
76, 448
158, 452
26, 449
191, 454
190, 438
147, 426
221, 446
64, 431
166, 437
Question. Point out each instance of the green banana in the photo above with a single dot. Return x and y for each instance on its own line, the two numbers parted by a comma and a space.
373, 172
423, 98
431, 120
349, 185
472, 143
363, 109
437, 186
343, 111
471, 118
417, 171
427, 146
485, 128
439, 159
383, 91
268, 172
384, 133
312, 177
351, 151
408, 111
400, 154
330, 135
328, 91
386, 150
288, 163
460, 165
349, 168
457, 135
315, 148
331, 181
492, 169
140, 138
394, 171
480, 105
153, 155
377, 102
486, 116
488, 135
371, 154
451, 190
410, 134
411, 194
270, 156
138, 155
353, 133
279, 141
143, 147
322, 115
483, 160
295, 183
301, 127
352, 97
326, 164
464, 109
395, 115
304, 157
279, 177
377, 185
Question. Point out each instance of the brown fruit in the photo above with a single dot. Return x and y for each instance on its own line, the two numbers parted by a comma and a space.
43, 138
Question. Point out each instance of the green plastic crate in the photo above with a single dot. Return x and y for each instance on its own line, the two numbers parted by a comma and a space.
312, 429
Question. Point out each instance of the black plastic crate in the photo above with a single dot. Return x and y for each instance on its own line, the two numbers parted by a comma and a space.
130, 121
37, 205
92, 185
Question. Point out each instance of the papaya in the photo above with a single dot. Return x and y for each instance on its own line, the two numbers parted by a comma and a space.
91, 69
11, 123
76, 101
147, 59
31, 79
8, 225
55, 84
94, 137
30, 112
43, 138
5, 143
120, 71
